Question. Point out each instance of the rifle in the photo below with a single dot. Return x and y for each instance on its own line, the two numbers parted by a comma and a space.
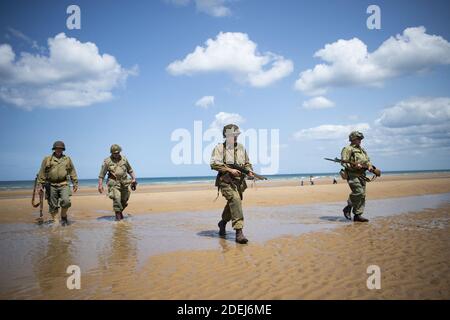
246, 171
40, 204
376, 172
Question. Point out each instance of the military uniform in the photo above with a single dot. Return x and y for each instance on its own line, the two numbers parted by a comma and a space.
231, 187
57, 172
118, 182
356, 177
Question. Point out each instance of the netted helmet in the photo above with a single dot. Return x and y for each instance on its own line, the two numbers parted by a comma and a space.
231, 129
115, 148
59, 145
355, 135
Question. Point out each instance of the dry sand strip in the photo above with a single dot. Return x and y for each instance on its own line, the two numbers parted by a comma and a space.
412, 251
156, 199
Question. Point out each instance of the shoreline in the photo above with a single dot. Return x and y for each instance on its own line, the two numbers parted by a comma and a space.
208, 181
88, 204
301, 246
411, 249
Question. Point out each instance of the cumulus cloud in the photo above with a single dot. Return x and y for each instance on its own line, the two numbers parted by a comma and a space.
347, 62
215, 8
418, 111
73, 74
318, 103
224, 118
236, 54
205, 102
329, 131
416, 125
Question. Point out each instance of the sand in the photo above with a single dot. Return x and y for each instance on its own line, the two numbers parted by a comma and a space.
88, 204
411, 249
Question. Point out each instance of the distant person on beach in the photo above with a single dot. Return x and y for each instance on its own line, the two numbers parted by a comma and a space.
54, 175
301, 183
356, 176
311, 180
230, 181
118, 168
334, 180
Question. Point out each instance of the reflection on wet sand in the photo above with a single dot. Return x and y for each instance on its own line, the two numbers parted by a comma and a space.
51, 262
112, 255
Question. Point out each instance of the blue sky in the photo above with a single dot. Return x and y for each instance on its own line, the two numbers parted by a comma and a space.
404, 110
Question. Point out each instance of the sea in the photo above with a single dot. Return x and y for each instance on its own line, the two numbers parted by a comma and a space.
28, 184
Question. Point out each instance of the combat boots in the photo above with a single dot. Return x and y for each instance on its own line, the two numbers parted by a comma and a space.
347, 212
53, 215
64, 220
222, 224
240, 238
359, 218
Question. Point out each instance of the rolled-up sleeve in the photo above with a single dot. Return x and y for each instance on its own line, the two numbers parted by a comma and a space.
216, 162
103, 170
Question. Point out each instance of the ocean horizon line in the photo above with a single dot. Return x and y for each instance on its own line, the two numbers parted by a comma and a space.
26, 184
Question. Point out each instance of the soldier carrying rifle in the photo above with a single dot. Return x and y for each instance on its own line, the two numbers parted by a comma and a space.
231, 161
56, 171
356, 162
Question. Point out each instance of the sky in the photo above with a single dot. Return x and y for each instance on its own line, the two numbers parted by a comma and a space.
296, 76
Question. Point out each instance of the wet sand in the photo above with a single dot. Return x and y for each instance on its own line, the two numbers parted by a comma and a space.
15, 206
301, 246
411, 249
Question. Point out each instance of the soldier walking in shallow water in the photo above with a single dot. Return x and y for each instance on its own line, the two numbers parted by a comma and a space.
56, 171
118, 168
356, 176
230, 181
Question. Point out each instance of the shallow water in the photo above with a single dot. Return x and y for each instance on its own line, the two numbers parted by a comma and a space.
33, 255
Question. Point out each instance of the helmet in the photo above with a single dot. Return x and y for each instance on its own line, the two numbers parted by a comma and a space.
59, 145
231, 129
355, 135
115, 148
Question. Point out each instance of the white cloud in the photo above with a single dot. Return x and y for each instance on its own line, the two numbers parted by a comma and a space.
329, 131
73, 74
419, 111
416, 125
234, 53
224, 118
349, 63
215, 8
205, 102
318, 103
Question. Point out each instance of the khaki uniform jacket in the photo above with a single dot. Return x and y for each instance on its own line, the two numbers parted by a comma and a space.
55, 171
355, 154
222, 155
117, 169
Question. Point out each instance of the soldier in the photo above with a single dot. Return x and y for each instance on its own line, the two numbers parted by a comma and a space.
54, 175
117, 167
230, 181
356, 176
